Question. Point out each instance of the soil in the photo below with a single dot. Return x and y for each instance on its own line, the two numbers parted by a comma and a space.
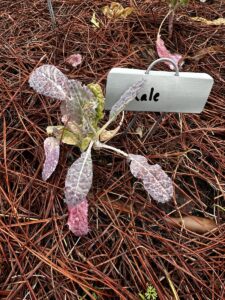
130, 245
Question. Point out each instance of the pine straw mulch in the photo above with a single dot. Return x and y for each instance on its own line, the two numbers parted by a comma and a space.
130, 245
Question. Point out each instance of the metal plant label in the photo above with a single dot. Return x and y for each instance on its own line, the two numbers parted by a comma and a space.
161, 92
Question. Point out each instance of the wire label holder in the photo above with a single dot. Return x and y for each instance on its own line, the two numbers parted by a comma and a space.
162, 91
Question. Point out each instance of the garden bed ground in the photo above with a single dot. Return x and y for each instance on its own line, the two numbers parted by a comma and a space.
130, 245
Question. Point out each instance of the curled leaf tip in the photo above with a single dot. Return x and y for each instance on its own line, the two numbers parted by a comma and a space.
163, 52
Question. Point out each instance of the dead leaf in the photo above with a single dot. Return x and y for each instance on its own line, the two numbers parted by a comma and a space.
116, 11
164, 53
51, 129
94, 21
139, 131
107, 135
74, 60
62, 134
193, 223
217, 22
209, 50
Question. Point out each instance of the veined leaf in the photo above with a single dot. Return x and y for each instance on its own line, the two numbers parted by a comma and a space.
71, 109
51, 147
126, 97
78, 218
156, 182
80, 107
49, 81
79, 179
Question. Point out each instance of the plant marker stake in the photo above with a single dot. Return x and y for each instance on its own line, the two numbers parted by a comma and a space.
161, 91
182, 92
52, 14
163, 114
159, 119
155, 126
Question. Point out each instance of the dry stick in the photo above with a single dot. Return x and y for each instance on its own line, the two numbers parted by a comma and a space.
52, 14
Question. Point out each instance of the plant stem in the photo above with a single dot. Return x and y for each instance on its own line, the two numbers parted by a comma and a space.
90, 146
98, 144
108, 123
170, 26
105, 126
166, 16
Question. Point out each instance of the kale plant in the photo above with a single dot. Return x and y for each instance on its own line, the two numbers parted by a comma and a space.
82, 108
